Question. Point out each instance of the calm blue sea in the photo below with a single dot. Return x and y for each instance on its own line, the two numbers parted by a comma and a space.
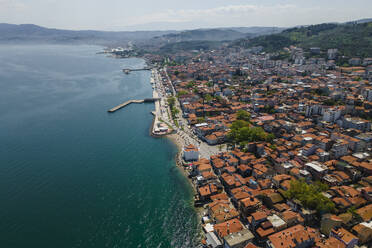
72, 175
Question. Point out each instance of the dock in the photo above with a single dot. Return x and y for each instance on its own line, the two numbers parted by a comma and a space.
120, 106
128, 70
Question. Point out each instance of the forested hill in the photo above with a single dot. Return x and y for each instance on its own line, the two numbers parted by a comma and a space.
352, 39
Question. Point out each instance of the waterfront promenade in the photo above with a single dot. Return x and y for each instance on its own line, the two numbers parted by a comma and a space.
183, 134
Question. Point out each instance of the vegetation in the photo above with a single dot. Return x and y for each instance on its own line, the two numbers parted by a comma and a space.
351, 39
201, 119
243, 115
190, 84
332, 102
208, 98
189, 46
174, 110
182, 93
310, 196
241, 132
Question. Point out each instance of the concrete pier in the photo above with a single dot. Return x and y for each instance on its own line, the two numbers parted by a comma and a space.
112, 110
124, 104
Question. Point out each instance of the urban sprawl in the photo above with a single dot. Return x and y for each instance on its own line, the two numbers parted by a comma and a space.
277, 145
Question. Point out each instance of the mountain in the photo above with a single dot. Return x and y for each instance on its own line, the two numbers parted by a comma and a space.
202, 34
257, 31
352, 39
29, 33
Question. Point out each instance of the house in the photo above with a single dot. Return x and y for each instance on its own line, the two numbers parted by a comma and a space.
329, 222
317, 169
212, 240
190, 153
228, 227
363, 231
344, 236
277, 223
339, 149
296, 236
249, 205
238, 239
222, 211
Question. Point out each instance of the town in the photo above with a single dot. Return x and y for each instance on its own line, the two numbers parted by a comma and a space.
276, 145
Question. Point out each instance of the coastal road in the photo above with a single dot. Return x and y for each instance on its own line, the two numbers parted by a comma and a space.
185, 135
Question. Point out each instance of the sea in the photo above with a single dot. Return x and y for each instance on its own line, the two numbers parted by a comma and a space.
73, 175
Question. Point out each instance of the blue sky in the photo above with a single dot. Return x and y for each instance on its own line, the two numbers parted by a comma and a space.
174, 14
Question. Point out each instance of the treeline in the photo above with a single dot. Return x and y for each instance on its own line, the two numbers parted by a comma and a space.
351, 39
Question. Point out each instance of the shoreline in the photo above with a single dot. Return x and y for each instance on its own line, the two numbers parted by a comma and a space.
174, 138
179, 142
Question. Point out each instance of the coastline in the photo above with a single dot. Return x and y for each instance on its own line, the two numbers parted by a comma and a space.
199, 211
179, 142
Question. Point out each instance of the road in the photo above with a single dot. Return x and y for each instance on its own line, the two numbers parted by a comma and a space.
184, 131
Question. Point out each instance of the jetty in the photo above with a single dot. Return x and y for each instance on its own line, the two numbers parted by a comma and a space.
128, 70
120, 106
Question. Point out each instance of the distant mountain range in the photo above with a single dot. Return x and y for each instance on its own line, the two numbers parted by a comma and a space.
351, 38
29, 33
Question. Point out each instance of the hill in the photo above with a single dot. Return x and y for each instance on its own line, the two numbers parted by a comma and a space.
202, 34
352, 39
29, 33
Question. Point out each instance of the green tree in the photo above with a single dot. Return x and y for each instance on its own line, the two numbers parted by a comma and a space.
243, 115
310, 195
208, 98
182, 93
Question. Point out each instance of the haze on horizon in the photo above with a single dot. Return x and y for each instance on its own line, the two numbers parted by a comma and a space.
127, 15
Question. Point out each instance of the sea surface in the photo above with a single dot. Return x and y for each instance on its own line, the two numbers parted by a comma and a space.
73, 175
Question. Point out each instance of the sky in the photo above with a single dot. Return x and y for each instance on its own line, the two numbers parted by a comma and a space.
121, 15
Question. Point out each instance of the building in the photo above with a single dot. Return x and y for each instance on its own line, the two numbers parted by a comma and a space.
329, 222
332, 53
339, 149
357, 123
317, 169
331, 115
296, 236
344, 236
190, 153
363, 232
239, 239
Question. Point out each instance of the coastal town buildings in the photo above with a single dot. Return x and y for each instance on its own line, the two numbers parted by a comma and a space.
281, 153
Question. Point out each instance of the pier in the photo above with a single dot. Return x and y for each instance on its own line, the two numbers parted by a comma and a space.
128, 70
120, 106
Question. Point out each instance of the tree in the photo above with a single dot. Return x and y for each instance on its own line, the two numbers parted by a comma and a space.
201, 119
243, 115
208, 98
182, 93
310, 195
171, 101
190, 84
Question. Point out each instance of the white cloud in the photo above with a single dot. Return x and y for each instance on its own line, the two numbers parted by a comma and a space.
235, 13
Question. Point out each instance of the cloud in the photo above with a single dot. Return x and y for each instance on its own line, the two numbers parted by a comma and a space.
218, 14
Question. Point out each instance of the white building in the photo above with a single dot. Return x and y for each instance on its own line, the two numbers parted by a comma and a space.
317, 169
190, 153
331, 115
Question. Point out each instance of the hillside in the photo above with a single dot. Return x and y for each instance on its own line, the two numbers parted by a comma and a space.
351, 39
202, 34
29, 33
